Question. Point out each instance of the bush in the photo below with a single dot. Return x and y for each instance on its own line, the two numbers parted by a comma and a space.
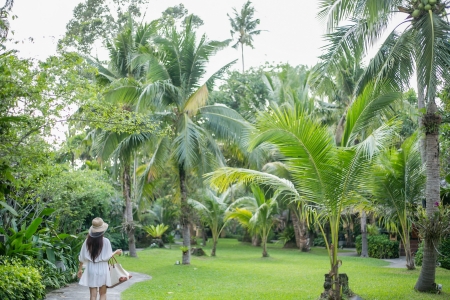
319, 242
20, 282
444, 253
419, 255
379, 246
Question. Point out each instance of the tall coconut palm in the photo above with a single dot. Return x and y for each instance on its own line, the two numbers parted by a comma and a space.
398, 186
179, 66
244, 26
122, 145
324, 177
419, 42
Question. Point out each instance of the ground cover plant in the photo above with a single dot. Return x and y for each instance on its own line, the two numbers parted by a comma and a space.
239, 272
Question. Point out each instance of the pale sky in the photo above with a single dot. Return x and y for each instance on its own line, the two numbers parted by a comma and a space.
294, 34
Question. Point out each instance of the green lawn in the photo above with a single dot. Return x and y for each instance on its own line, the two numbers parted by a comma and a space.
239, 272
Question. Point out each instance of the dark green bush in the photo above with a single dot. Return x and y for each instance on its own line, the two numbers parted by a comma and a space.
319, 242
419, 255
20, 282
379, 246
444, 253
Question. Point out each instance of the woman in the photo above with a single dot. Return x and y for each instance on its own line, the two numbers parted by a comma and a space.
94, 255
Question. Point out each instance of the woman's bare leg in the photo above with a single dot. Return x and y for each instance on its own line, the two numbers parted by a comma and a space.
102, 291
93, 292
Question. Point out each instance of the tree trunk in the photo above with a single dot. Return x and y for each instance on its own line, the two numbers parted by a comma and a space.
420, 106
256, 241
409, 258
129, 224
213, 250
296, 225
184, 218
364, 243
431, 122
264, 245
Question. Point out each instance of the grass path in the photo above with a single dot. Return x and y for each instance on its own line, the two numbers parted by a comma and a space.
239, 272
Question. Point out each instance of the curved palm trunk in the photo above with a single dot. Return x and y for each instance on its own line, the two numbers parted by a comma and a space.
129, 224
364, 243
428, 271
409, 258
184, 220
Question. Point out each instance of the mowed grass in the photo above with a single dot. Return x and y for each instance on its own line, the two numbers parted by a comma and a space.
239, 272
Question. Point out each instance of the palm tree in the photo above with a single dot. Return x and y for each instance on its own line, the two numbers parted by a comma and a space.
212, 210
179, 66
323, 177
122, 146
256, 213
398, 186
244, 26
420, 45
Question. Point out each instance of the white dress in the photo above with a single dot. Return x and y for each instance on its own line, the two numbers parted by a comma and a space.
96, 274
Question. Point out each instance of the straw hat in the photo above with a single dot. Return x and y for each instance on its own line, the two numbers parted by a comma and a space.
97, 226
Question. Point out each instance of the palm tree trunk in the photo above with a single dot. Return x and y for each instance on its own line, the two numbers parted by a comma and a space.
364, 243
213, 250
264, 243
296, 225
431, 122
409, 259
184, 220
420, 106
129, 224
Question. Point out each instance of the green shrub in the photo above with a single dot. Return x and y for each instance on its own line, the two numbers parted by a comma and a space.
444, 253
419, 255
20, 282
379, 246
319, 242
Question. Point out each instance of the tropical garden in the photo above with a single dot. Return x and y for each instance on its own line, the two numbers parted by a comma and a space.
265, 178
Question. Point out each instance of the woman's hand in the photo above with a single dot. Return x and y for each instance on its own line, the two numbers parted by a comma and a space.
79, 273
118, 251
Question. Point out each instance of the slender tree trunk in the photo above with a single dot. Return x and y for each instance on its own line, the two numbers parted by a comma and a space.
431, 122
364, 243
256, 241
184, 220
213, 250
129, 224
242, 54
420, 106
409, 258
296, 225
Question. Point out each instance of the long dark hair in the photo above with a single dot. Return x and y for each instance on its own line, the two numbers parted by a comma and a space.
94, 246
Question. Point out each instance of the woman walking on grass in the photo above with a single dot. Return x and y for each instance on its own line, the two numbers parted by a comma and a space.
94, 256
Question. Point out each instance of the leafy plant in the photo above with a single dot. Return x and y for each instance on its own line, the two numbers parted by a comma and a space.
287, 235
379, 246
156, 231
20, 282
184, 249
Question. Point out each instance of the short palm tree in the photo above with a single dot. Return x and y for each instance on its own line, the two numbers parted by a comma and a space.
417, 43
257, 214
398, 186
211, 209
323, 176
244, 26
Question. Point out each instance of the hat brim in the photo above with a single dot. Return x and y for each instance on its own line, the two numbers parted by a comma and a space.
102, 228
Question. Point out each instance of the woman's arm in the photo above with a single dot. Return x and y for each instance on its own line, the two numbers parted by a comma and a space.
118, 251
80, 270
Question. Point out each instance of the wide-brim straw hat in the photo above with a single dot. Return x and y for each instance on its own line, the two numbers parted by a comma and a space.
98, 227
